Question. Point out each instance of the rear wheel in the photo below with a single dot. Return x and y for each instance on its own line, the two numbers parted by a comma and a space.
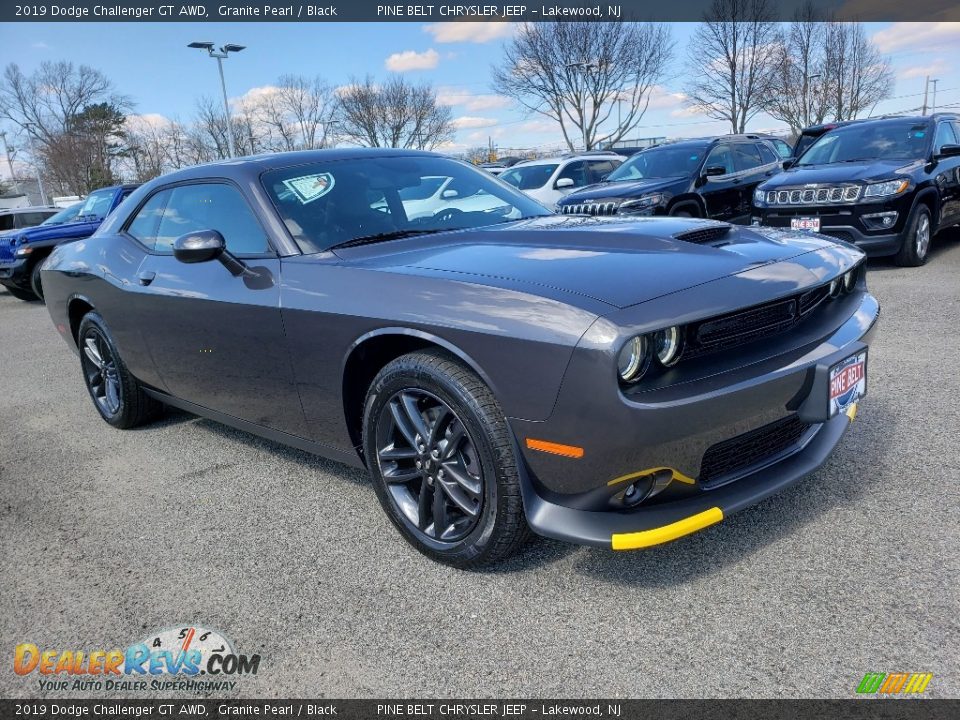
916, 240
117, 395
686, 211
21, 294
442, 461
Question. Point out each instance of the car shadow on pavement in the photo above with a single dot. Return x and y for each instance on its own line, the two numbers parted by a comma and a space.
841, 479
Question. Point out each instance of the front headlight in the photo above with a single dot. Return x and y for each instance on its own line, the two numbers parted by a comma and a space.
884, 189
850, 280
634, 359
22, 251
759, 197
668, 346
642, 203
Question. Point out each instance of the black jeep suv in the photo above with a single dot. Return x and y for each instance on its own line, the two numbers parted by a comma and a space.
708, 177
887, 185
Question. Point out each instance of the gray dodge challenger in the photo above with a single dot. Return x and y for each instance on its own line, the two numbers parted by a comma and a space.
618, 382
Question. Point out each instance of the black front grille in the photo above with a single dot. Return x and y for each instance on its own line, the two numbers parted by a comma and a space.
743, 451
743, 326
703, 235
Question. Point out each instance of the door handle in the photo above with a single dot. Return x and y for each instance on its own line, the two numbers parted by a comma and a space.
146, 277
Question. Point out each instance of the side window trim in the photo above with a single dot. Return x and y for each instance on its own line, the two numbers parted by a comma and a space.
124, 229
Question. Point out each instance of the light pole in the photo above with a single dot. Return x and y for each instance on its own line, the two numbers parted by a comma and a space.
6, 151
36, 166
221, 55
933, 101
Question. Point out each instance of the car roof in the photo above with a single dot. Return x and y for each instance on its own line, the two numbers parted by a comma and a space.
253, 165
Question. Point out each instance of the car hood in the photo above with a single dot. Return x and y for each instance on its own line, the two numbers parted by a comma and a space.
618, 262
621, 189
842, 172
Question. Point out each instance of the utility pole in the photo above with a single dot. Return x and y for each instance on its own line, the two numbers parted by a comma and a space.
221, 56
926, 87
6, 151
933, 104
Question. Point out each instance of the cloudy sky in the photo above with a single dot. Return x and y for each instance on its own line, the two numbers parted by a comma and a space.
150, 63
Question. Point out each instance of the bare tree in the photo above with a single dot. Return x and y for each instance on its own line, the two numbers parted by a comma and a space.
296, 114
801, 93
594, 79
859, 76
732, 61
392, 114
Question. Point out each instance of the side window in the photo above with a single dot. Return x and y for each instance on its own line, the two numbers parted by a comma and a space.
211, 206
746, 157
782, 148
599, 169
766, 154
945, 136
576, 171
146, 223
720, 156
6, 222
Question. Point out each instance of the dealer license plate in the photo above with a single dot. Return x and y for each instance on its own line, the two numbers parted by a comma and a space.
848, 382
810, 224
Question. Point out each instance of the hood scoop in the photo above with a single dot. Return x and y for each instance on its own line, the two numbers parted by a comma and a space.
705, 234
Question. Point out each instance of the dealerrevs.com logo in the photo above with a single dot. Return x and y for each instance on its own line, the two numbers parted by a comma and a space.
169, 660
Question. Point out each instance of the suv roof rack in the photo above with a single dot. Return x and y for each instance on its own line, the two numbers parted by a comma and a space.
588, 152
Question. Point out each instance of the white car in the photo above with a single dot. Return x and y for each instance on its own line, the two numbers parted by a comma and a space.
436, 193
549, 179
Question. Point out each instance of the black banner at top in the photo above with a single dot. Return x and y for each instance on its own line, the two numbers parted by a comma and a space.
517, 11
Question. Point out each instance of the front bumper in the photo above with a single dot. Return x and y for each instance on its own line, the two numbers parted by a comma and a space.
15, 273
845, 223
674, 428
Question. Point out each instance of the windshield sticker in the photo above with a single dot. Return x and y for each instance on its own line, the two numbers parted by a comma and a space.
310, 187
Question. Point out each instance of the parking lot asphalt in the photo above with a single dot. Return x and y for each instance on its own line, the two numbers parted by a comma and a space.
110, 535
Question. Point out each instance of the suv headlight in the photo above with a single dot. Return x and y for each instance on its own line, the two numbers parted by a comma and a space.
887, 188
642, 203
759, 197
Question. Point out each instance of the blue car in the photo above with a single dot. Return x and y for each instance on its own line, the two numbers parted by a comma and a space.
22, 252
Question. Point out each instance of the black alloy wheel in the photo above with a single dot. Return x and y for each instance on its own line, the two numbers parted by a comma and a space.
443, 460
430, 464
118, 396
100, 372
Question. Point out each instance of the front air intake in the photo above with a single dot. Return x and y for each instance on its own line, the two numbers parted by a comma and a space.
704, 235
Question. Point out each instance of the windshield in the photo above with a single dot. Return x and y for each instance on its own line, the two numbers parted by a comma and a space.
528, 177
64, 216
326, 204
869, 141
97, 204
661, 162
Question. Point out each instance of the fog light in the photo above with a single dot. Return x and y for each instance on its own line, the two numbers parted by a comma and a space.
880, 221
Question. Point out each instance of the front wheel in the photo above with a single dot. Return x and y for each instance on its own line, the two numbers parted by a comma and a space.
21, 294
916, 240
117, 395
443, 464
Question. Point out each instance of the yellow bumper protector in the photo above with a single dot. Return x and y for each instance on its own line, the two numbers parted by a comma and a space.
677, 475
656, 536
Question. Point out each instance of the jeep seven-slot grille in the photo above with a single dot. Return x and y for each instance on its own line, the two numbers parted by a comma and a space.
596, 208
738, 328
751, 448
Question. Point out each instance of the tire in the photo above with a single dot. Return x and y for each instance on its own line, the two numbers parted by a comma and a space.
915, 247
35, 282
685, 211
21, 294
434, 392
116, 394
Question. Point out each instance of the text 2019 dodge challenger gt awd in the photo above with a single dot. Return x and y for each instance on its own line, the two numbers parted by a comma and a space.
609, 382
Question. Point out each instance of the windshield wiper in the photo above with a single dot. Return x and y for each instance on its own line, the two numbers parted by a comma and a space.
384, 237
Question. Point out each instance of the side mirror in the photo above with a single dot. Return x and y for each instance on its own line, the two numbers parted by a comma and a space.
563, 183
204, 245
448, 194
949, 151
603, 178
200, 246
714, 171
789, 163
